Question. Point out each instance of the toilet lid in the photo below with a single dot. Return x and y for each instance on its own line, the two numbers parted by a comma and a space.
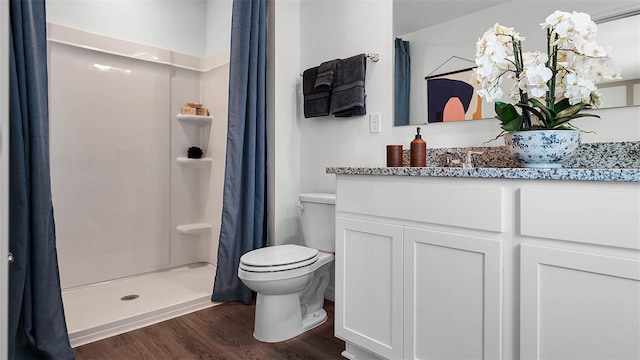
278, 258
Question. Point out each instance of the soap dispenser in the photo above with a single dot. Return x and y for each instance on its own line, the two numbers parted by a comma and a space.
418, 151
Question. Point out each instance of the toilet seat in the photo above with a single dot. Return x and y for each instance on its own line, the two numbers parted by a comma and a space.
278, 258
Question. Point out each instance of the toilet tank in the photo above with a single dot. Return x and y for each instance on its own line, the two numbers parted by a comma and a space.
319, 221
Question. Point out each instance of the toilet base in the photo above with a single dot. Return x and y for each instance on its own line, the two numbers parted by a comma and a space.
278, 318
313, 320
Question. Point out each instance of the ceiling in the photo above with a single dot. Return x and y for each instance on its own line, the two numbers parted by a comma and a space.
413, 15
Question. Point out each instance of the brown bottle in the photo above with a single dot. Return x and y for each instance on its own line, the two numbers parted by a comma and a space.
418, 151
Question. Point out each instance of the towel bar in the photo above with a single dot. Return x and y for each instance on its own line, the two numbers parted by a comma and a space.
373, 56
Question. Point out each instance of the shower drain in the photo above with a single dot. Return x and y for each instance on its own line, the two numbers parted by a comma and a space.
129, 297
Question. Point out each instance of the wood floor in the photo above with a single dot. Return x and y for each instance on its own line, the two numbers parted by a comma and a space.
220, 332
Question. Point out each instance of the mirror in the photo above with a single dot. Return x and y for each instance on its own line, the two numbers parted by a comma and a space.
442, 39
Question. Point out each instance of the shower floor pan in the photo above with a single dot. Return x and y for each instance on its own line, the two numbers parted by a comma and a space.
97, 311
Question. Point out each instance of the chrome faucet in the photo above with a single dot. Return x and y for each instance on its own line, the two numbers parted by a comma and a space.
452, 159
455, 159
468, 163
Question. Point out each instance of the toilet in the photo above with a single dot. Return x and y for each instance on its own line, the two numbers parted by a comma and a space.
290, 280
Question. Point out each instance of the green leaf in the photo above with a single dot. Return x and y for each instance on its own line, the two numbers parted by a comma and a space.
572, 110
561, 121
509, 116
549, 114
513, 125
561, 105
585, 115
537, 113
506, 112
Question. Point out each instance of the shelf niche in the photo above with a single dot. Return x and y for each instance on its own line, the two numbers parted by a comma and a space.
194, 229
195, 119
195, 163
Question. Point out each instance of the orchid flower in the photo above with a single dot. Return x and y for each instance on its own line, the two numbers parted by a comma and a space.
553, 86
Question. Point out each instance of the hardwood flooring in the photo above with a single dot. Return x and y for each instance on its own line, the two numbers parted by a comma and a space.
220, 332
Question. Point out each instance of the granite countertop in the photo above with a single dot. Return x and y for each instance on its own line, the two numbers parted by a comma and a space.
616, 162
619, 175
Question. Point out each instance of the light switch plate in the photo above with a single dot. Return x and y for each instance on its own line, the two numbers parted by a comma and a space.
375, 125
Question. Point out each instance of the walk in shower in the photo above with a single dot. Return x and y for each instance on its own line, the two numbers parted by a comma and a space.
121, 196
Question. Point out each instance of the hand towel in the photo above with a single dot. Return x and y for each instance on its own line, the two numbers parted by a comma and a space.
348, 97
316, 102
326, 75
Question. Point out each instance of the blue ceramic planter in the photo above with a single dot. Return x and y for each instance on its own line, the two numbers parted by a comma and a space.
542, 148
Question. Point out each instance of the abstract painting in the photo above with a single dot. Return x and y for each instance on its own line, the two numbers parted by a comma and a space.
451, 97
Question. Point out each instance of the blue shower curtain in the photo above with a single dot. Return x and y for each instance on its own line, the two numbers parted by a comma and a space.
402, 85
244, 209
37, 327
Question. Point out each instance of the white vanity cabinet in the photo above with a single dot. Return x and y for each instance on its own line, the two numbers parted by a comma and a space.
577, 305
580, 292
418, 268
370, 289
452, 296
438, 267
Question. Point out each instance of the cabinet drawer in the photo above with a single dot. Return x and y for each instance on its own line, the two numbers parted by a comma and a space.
473, 205
610, 218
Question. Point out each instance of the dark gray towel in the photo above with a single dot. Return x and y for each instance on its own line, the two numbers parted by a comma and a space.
316, 102
326, 75
348, 97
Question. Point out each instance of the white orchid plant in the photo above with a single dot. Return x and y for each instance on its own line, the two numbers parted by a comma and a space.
550, 88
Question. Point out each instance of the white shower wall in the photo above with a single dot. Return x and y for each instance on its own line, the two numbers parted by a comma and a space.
118, 191
215, 92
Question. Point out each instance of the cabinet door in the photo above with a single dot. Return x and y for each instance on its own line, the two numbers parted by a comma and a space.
452, 295
368, 302
577, 305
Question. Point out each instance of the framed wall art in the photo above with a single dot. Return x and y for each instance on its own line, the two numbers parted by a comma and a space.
451, 96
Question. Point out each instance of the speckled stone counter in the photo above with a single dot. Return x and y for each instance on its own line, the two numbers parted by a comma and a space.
618, 162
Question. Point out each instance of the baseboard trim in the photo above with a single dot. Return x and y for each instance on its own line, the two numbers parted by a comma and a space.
330, 293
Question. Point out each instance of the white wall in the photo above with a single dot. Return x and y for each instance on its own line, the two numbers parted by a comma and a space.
177, 25
108, 149
284, 124
193, 27
356, 27
218, 26
215, 94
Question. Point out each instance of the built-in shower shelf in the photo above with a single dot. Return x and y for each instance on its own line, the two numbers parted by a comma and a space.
195, 229
195, 119
196, 163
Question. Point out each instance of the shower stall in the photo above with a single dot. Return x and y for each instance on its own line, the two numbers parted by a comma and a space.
137, 225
